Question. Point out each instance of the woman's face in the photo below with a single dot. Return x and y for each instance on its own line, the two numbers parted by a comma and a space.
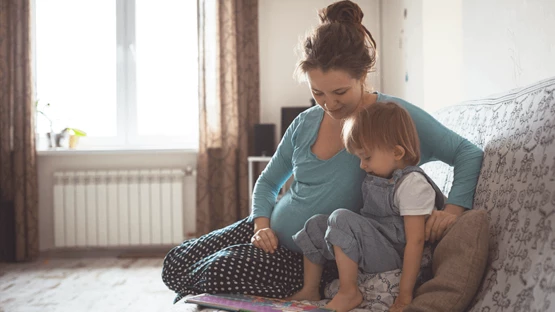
335, 91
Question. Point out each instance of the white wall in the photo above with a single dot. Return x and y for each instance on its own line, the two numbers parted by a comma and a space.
49, 163
402, 50
421, 62
281, 24
393, 40
458, 50
443, 54
506, 44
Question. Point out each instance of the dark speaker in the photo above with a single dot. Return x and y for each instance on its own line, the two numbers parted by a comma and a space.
264, 139
288, 114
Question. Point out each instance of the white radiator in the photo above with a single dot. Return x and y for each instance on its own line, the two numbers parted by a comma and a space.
118, 208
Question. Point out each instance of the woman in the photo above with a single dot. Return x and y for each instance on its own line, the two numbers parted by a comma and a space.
257, 255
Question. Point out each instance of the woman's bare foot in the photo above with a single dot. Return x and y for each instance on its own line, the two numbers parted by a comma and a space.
305, 294
345, 300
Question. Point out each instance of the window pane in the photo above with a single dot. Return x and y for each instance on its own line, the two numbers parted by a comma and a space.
76, 64
167, 70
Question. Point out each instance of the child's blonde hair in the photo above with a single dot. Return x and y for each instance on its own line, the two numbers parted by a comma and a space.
382, 125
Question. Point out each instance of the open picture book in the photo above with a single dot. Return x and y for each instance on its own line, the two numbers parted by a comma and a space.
232, 302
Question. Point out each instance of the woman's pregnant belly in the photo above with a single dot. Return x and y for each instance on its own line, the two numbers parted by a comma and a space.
289, 217
291, 213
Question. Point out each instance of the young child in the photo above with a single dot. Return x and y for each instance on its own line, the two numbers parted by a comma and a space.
389, 232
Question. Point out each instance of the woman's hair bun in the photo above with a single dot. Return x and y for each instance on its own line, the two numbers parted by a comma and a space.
342, 12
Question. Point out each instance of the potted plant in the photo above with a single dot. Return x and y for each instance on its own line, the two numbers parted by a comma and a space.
69, 135
42, 112
74, 135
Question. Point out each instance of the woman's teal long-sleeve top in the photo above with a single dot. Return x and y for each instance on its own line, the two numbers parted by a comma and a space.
322, 186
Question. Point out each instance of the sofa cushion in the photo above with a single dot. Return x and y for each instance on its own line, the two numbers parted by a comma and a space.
458, 266
517, 189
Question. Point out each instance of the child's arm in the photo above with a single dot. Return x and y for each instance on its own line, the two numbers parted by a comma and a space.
415, 198
415, 234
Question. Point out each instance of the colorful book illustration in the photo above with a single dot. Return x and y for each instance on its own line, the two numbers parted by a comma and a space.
250, 303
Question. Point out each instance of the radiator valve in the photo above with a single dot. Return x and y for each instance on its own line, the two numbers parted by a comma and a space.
190, 171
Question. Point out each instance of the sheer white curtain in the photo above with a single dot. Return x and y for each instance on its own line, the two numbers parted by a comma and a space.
229, 108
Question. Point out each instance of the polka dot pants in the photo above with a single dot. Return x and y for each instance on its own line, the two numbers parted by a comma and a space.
224, 261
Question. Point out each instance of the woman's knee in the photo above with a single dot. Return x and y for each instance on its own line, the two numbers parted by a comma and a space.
170, 267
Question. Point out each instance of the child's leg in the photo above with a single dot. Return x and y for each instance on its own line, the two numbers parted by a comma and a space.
348, 297
357, 243
361, 240
315, 249
311, 286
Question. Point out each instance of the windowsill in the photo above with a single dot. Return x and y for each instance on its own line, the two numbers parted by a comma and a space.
115, 151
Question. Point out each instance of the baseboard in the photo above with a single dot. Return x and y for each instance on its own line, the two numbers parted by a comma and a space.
119, 252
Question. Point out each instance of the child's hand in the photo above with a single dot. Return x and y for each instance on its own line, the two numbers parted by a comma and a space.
265, 239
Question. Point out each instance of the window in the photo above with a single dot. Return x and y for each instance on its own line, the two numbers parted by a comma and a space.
124, 71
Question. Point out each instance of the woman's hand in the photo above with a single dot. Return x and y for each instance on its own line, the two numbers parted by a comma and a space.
397, 307
265, 239
440, 221
400, 303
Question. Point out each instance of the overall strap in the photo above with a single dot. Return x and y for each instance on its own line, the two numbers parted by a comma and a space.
400, 174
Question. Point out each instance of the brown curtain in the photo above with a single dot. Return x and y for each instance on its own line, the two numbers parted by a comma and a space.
18, 172
229, 108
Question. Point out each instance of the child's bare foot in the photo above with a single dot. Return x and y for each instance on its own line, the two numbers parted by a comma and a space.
345, 300
305, 294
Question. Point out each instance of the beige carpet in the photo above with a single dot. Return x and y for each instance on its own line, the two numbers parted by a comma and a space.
90, 284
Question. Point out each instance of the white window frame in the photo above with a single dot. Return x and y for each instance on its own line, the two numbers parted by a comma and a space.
127, 136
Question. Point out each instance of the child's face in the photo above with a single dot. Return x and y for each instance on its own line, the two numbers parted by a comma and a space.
380, 162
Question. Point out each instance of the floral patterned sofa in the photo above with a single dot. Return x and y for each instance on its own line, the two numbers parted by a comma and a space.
516, 130
516, 188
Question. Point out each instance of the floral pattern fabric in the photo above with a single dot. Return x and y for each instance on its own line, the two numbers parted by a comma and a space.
517, 189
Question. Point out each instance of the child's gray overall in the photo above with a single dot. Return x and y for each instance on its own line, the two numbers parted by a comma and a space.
375, 238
